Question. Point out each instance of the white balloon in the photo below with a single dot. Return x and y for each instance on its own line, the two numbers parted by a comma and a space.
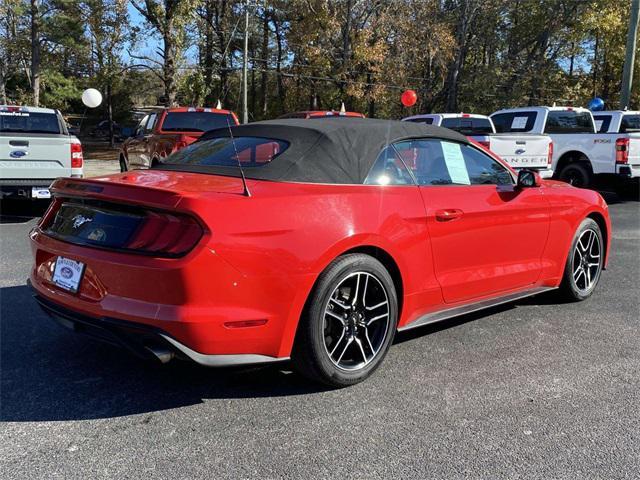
91, 97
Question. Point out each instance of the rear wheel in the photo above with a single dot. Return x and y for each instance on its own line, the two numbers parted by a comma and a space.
577, 174
584, 262
349, 323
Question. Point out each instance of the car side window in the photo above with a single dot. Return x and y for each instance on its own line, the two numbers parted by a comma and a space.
439, 162
150, 123
389, 169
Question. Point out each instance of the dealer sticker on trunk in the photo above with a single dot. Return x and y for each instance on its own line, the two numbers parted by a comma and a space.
68, 273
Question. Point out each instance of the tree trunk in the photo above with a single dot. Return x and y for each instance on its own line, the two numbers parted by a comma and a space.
169, 67
254, 92
110, 114
265, 64
35, 52
464, 21
3, 90
208, 61
281, 89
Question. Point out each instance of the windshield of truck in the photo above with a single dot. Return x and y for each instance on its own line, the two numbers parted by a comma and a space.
196, 121
630, 123
426, 121
514, 122
29, 122
469, 126
568, 121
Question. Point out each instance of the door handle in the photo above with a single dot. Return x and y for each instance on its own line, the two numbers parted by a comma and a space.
448, 214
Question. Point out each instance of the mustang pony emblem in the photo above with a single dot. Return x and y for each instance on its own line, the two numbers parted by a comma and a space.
79, 220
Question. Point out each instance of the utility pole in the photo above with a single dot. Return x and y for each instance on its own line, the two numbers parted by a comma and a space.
245, 111
632, 37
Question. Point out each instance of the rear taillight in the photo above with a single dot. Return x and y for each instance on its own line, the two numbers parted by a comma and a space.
622, 150
165, 233
76, 155
550, 154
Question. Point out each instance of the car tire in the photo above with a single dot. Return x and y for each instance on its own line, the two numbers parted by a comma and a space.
577, 174
123, 164
584, 262
344, 336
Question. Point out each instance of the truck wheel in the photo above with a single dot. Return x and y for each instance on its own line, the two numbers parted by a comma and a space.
577, 174
123, 164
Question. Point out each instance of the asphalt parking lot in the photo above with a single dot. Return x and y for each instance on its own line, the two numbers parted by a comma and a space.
528, 390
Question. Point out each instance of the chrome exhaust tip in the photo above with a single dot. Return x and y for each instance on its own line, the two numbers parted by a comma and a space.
164, 355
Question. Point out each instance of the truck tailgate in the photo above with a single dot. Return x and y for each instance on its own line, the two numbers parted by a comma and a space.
34, 156
521, 150
634, 149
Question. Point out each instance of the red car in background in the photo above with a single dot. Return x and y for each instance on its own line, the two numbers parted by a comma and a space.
162, 132
309, 241
322, 114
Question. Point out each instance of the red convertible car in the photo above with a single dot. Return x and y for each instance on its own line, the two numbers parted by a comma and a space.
308, 241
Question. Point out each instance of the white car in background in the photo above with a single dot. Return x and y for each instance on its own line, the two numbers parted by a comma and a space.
518, 150
579, 152
35, 149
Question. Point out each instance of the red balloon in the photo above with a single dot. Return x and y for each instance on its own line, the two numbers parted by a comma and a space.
409, 98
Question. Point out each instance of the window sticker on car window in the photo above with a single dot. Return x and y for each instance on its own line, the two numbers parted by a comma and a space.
519, 122
455, 163
599, 125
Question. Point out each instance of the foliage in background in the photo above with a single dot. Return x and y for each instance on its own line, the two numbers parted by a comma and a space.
460, 55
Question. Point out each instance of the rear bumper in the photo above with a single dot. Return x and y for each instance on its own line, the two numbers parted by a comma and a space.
200, 301
23, 187
144, 341
543, 172
629, 171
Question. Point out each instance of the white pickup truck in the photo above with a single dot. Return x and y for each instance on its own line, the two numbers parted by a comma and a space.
35, 149
521, 150
579, 152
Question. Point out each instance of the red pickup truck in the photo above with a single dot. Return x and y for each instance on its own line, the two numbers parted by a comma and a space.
164, 131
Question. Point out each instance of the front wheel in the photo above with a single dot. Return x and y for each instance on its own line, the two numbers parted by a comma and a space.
349, 322
584, 262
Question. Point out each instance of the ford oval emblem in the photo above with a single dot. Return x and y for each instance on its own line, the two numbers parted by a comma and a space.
17, 154
520, 151
66, 272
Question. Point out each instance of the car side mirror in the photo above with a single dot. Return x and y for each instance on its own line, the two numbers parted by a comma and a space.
528, 179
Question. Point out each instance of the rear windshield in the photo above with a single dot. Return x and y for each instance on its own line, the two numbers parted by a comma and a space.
227, 152
196, 121
568, 121
514, 122
602, 123
630, 123
468, 126
29, 122
426, 121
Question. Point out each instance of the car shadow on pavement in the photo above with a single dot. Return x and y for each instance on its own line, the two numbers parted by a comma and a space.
49, 374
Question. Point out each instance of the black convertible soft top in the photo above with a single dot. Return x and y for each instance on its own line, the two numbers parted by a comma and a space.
327, 150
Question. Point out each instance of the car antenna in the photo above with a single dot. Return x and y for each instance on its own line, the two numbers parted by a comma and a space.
245, 189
